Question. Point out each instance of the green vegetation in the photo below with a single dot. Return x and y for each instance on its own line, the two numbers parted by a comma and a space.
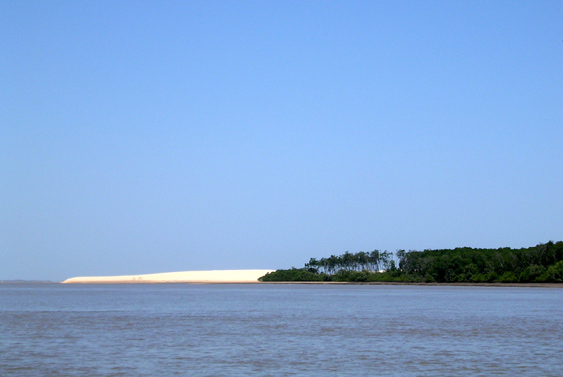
539, 264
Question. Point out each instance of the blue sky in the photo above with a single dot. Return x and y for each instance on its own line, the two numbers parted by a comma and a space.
167, 136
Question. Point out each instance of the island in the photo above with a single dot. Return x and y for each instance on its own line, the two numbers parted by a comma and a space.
539, 264
199, 277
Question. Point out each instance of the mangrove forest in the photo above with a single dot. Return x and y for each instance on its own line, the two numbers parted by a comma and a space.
539, 264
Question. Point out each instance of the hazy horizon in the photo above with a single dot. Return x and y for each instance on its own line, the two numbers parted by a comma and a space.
152, 137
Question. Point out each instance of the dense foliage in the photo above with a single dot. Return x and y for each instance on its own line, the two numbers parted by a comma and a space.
539, 264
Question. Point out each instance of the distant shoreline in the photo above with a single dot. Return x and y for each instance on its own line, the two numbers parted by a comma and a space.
485, 285
196, 277
507, 285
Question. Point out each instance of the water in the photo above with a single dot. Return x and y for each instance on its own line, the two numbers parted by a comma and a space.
279, 330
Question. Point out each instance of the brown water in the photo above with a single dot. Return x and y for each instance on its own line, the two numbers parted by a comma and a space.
279, 330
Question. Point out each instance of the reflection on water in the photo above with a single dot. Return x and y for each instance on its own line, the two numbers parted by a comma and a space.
279, 330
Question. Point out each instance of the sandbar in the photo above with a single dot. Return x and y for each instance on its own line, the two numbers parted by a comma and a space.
201, 277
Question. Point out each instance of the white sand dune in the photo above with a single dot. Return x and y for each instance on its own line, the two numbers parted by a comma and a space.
215, 276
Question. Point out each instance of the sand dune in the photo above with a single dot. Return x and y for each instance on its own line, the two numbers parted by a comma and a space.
216, 276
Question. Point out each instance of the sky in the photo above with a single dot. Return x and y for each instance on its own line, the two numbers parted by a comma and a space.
159, 136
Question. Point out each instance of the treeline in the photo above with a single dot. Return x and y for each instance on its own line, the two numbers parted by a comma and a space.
539, 264
372, 261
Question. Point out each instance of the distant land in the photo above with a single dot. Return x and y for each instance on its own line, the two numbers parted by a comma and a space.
541, 264
214, 276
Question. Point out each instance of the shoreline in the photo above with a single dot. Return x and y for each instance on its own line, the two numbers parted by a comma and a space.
507, 285
485, 285
195, 277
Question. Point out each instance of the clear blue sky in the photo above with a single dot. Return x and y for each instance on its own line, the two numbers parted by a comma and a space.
140, 137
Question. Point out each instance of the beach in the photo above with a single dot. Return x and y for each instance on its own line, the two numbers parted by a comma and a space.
213, 276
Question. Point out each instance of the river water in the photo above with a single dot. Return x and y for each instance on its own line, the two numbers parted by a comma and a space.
279, 330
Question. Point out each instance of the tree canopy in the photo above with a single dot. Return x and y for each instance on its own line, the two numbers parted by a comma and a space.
539, 264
